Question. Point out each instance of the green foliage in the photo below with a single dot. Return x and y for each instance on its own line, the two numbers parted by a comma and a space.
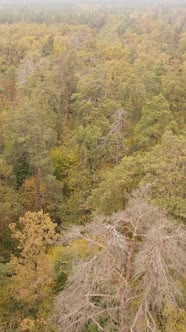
62, 161
155, 120
28, 135
10, 208
112, 194
28, 292
173, 88
164, 169
64, 256
92, 105
47, 48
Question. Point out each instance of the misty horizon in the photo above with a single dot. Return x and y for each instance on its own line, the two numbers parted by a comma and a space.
88, 2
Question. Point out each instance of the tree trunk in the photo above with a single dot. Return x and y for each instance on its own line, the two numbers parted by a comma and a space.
38, 189
125, 293
66, 109
124, 322
130, 258
1, 137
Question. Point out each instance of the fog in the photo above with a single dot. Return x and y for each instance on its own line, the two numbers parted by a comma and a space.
93, 2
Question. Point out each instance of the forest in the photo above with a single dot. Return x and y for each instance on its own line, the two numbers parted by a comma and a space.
92, 168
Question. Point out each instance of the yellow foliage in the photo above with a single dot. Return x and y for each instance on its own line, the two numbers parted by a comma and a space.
27, 325
28, 194
32, 277
175, 320
79, 248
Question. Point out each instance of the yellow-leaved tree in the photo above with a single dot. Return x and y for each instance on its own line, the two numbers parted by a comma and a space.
31, 279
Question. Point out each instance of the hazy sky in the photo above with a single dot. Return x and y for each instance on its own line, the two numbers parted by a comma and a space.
36, 3
25, 2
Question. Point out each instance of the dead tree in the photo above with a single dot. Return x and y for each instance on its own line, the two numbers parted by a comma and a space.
131, 278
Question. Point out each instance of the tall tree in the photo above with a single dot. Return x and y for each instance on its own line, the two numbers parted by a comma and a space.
9, 208
130, 282
155, 120
164, 169
29, 137
31, 277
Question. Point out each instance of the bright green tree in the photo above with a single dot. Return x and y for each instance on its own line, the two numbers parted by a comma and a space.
164, 170
155, 120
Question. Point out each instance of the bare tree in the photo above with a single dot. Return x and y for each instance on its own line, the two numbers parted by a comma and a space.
116, 135
131, 277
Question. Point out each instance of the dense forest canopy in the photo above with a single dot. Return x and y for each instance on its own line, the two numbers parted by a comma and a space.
92, 166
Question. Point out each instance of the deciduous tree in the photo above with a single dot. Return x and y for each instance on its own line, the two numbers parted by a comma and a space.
131, 281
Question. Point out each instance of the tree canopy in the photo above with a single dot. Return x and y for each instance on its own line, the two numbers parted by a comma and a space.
92, 167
